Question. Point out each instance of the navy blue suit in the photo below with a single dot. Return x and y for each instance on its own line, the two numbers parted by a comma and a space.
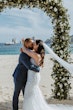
20, 76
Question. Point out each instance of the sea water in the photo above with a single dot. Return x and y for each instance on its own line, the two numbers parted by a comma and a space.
14, 49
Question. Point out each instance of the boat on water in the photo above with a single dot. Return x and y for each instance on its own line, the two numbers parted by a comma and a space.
11, 43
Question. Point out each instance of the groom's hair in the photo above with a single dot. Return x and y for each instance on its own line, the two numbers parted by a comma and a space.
27, 40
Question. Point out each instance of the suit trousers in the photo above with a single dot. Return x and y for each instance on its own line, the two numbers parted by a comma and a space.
19, 86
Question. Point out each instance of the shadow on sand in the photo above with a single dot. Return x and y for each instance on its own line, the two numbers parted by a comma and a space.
56, 101
8, 105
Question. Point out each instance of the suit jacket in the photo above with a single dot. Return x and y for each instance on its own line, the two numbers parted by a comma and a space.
24, 64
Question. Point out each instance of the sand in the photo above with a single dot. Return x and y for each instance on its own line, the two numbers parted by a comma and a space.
7, 66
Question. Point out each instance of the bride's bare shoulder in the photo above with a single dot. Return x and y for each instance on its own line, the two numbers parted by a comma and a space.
36, 54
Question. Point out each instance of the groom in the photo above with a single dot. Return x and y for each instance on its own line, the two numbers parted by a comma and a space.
20, 73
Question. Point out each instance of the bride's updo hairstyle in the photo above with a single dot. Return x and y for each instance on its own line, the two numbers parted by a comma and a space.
40, 51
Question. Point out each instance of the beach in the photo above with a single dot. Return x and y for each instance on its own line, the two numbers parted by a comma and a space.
7, 66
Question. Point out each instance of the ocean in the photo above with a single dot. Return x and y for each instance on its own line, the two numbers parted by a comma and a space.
14, 49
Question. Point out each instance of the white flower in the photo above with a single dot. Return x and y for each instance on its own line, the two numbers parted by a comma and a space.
62, 90
60, 85
49, 0
55, 1
55, 9
5, 1
58, 93
61, 51
63, 38
63, 79
65, 84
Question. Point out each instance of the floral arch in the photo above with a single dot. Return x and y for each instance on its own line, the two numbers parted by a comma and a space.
60, 41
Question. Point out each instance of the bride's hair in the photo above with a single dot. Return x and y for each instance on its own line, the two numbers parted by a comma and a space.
40, 51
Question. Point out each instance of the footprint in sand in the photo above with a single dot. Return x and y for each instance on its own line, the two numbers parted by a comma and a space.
43, 86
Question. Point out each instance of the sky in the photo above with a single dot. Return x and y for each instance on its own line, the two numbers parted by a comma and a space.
18, 24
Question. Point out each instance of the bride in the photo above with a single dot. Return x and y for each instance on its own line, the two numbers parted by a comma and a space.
33, 98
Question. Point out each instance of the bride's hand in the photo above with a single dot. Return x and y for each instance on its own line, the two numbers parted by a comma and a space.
23, 49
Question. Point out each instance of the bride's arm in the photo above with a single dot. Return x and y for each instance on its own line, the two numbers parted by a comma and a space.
32, 54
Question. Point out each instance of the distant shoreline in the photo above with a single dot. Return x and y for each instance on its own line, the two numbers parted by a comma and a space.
14, 49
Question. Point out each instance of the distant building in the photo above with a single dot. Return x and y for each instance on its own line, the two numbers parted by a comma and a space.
33, 38
72, 39
14, 40
48, 41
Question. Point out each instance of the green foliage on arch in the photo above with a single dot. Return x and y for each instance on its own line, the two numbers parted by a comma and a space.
60, 41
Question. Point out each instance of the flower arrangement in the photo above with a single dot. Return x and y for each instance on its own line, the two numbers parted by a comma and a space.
60, 41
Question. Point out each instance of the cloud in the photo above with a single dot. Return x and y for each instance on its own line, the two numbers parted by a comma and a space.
32, 16
29, 22
20, 32
26, 22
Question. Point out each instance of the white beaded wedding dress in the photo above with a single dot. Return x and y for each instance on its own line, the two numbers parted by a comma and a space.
33, 98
